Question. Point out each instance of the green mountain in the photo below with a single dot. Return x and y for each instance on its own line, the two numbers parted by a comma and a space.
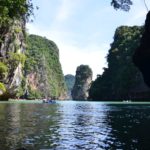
121, 80
70, 80
43, 70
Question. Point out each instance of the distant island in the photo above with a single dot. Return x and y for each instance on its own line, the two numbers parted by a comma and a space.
83, 79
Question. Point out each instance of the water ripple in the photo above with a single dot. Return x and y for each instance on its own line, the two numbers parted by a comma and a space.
75, 125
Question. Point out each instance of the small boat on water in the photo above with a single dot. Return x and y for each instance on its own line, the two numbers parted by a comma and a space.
127, 101
49, 101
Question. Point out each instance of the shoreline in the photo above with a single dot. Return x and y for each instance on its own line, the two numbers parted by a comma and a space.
38, 101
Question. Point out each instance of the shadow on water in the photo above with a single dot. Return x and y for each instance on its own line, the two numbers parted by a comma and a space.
74, 125
130, 127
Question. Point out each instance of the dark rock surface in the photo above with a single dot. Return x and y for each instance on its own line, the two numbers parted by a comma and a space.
141, 58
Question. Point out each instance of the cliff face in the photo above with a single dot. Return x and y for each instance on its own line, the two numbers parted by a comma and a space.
70, 80
44, 76
82, 84
35, 73
121, 80
12, 58
141, 58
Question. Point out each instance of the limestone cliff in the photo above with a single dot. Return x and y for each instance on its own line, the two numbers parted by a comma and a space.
82, 84
34, 73
12, 58
43, 72
121, 80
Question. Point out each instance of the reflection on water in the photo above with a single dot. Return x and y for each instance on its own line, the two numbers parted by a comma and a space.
74, 125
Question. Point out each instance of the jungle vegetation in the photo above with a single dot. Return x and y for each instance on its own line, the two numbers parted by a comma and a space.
121, 77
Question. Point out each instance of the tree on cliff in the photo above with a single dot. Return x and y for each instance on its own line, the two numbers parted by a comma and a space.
141, 57
13, 16
122, 4
14, 9
121, 77
125, 4
43, 69
11, 10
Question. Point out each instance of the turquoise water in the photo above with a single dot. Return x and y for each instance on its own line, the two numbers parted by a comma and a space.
74, 125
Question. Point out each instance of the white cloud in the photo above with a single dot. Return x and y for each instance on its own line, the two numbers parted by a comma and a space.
66, 9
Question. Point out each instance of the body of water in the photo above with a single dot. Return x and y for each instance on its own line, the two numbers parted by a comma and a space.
71, 125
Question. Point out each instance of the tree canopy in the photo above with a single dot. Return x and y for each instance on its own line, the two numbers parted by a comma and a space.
122, 4
14, 9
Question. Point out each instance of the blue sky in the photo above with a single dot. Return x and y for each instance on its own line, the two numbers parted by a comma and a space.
83, 29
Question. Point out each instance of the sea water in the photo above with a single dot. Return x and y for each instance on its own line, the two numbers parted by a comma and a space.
72, 125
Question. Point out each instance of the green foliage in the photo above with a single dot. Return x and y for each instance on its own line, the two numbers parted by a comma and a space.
17, 58
19, 92
3, 70
43, 58
121, 77
21, 89
14, 9
2, 87
35, 94
122, 4
83, 71
17, 30
13, 16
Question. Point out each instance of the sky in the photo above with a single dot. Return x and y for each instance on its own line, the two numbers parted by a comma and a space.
83, 29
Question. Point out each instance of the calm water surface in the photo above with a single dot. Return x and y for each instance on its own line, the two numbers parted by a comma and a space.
75, 125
